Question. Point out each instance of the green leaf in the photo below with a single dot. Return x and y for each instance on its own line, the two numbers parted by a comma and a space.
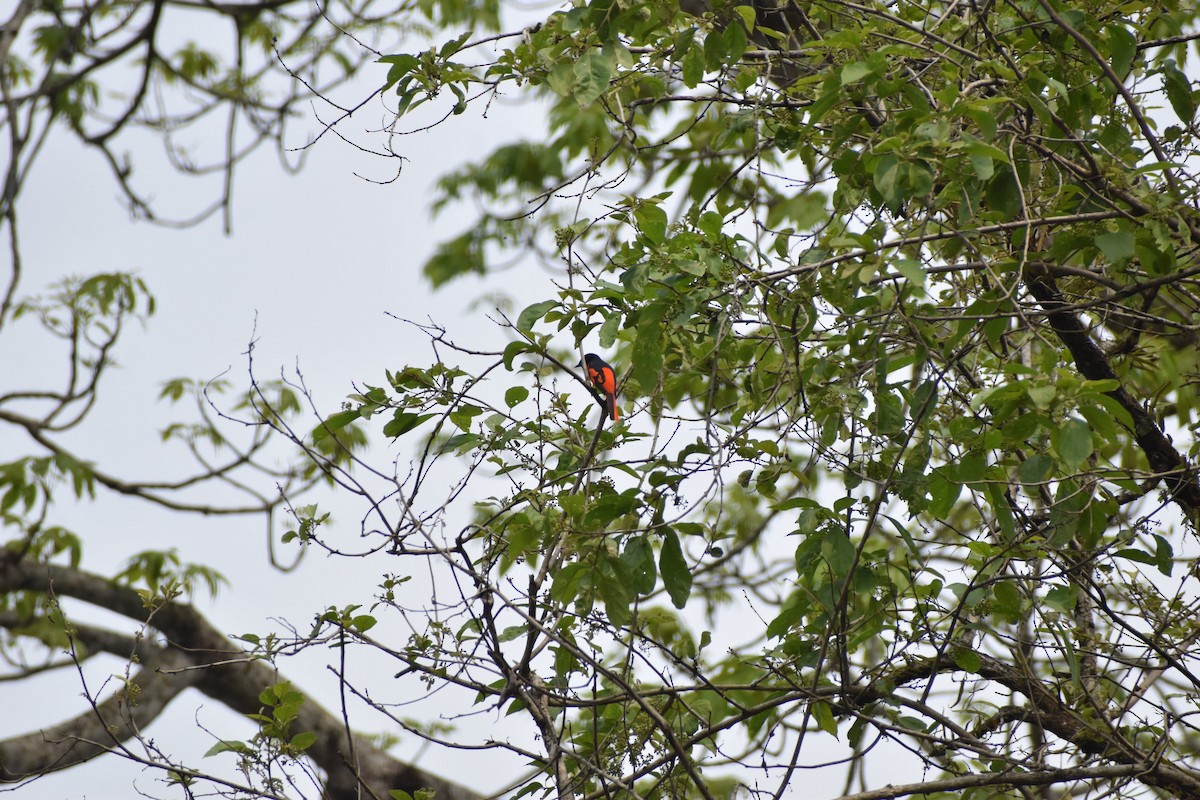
972, 468
1034, 469
651, 221
593, 71
804, 210
334, 422
1070, 501
515, 395
735, 43
1003, 194
968, 660
460, 442
823, 714
1122, 47
714, 51
226, 746
943, 494
463, 416
692, 66
1118, 247
608, 331
888, 179
512, 350
402, 64
1043, 396
1104, 427
918, 181
173, 390
1164, 555
1073, 442
1002, 509
568, 581
789, 615
647, 355
677, 578
512, 633
638, 557
561, 79
838, 551
1006, 601
1063, 598
534, 313
748, 16
984, 167
614, 586
524, 533
855, 71
303, 740
1179, 92
402, 422
911, 269
975, 147
454, 45
830, 96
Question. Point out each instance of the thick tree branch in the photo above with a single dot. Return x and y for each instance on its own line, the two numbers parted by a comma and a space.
107, 726
1093, 364
196, 655
1089, 735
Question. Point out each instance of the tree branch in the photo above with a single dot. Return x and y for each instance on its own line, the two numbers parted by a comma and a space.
959, 782
1093, 364
196, 655
107, 726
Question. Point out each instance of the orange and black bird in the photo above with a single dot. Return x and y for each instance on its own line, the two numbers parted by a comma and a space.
603, 378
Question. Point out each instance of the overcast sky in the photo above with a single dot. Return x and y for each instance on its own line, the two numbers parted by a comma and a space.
315, 266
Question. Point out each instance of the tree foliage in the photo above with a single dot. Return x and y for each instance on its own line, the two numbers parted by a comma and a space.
903, 498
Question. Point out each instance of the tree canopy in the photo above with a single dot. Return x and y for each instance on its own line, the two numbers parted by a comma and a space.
902, 500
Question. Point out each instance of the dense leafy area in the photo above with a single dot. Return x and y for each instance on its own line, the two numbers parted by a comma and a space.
902, 299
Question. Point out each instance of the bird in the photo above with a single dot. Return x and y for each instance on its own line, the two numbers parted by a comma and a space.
602, 376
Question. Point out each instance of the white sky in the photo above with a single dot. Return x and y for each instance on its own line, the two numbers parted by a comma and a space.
319, 260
